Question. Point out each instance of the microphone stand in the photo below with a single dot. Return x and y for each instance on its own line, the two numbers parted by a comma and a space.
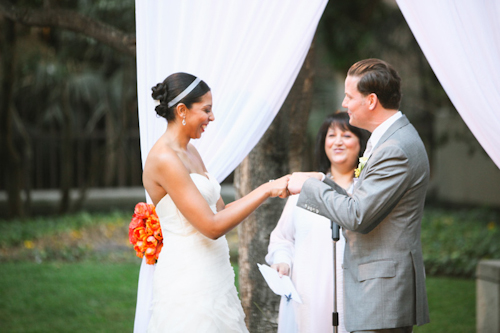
335, 237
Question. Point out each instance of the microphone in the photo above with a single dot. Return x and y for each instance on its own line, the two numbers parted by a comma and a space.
335, 237
335, 231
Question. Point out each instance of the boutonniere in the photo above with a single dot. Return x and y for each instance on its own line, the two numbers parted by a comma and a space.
361, 165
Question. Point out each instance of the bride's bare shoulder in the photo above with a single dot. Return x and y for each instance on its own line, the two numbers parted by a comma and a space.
161, 156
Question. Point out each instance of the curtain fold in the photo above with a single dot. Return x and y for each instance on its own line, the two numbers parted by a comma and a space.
248, 52
461, 41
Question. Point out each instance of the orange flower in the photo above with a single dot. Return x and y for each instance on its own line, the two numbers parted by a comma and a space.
139, 233
145, 232
139, 248
150, 260
150, 251
135, 223
150, 254
153, 222
158, 235
142, 210
158, 250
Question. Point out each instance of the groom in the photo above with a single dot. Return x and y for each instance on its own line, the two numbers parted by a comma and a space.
384, 278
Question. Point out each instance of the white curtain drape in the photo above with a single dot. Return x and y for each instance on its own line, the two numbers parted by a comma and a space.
248, 52
461, 41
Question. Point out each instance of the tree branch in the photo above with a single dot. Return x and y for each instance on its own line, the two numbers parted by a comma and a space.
71, 20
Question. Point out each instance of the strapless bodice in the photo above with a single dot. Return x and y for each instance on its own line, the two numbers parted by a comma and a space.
193, 286
172, 220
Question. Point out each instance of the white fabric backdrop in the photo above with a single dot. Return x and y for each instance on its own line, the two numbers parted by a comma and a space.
248, 52
461, 41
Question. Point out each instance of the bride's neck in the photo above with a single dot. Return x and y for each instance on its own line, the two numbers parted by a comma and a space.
176, 137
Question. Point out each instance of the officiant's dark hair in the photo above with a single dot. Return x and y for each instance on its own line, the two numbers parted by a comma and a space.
171, 87
378, 77
338, 119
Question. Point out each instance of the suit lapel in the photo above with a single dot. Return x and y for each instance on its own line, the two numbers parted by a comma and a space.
401, 122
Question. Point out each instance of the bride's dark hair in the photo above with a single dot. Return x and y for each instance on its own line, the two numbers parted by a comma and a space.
171, 87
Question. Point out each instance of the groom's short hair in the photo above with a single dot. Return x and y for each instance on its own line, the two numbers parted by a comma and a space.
378, 77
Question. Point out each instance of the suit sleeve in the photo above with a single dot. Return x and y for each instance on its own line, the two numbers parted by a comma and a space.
335, 186
384, 181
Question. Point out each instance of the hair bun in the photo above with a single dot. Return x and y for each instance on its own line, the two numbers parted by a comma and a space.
162, 110
159, 92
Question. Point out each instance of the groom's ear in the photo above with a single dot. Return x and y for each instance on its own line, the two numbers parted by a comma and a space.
372, 101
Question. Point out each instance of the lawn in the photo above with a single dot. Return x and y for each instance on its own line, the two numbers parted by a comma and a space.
452, 304
97, 297
67, 297
78, 273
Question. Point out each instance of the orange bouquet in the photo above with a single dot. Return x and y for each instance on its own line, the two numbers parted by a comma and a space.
144, 232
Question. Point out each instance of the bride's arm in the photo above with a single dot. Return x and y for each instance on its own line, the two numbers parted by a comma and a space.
220, 204
171, 174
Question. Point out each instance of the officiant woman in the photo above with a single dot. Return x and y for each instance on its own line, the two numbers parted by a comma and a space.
301, 243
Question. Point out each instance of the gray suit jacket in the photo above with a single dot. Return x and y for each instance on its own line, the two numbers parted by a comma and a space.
384, 277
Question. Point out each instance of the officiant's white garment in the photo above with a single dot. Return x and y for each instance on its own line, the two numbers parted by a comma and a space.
248, 52
304, 241
461, 41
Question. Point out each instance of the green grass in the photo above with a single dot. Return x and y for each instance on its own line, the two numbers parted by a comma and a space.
95, 297
452, 305
95, 290
69, 297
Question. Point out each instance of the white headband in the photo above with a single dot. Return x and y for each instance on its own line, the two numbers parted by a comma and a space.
184, 93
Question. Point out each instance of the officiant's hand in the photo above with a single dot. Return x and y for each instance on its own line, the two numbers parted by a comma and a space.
279, 187
298, 178
282, 268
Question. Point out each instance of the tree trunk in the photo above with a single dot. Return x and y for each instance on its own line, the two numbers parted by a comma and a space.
9, 152
280, 151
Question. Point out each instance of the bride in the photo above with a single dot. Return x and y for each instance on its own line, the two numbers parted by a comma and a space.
193, 287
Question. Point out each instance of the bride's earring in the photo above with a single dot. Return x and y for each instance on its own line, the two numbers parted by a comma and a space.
184, 121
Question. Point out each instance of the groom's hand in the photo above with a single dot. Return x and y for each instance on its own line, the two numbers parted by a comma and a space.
298, 178
278, 187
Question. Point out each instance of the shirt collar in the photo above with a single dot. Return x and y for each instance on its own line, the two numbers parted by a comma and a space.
382, 128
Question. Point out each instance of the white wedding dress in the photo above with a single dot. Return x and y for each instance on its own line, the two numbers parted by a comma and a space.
193, 287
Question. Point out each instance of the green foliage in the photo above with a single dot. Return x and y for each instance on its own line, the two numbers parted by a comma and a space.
15, 232
76, 102
453, 242
357, 29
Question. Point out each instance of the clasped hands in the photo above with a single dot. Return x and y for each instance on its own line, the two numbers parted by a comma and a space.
291, 184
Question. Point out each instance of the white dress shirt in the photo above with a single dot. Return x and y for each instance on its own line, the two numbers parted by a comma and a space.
379, 132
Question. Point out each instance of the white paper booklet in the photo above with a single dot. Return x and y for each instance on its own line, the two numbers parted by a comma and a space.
282, 286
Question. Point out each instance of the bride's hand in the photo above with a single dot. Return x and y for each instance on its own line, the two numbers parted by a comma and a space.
278, 187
